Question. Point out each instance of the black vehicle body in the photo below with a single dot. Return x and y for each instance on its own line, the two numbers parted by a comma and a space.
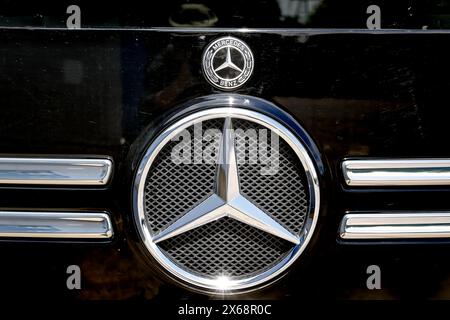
108, 88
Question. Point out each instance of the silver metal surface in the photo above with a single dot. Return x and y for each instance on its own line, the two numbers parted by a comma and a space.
395, 225
227, 200
397, 172
55, 171
55, 225
226, 196
220, 59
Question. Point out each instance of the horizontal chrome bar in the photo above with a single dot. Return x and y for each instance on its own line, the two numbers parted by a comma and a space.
55, 171
397, 172
59, 225
395, 225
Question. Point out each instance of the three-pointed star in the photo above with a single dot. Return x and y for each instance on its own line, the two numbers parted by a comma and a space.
228, 63
226, 200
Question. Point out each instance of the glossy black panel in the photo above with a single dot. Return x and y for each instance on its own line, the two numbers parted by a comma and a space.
399, 14
356, 94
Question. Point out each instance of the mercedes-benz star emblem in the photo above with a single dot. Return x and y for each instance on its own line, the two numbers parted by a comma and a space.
226, 201
228, 63
207, 212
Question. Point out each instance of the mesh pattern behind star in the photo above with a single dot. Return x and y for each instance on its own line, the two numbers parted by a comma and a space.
225, 246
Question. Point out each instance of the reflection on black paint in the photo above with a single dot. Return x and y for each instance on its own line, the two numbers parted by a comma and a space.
398, 14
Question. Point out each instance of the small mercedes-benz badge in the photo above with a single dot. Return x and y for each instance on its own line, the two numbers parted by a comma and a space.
227, 63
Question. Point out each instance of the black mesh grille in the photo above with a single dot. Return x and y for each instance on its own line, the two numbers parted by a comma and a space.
282, 193
227, 247
172, 189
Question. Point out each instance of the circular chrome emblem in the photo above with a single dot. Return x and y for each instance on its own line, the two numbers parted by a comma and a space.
226, 199
228, 63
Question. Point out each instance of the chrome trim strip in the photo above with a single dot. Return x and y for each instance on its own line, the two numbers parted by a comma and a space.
55, 225
396, 172
55, 171
398, 225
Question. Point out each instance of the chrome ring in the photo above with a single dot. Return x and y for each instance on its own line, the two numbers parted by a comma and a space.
233, 109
